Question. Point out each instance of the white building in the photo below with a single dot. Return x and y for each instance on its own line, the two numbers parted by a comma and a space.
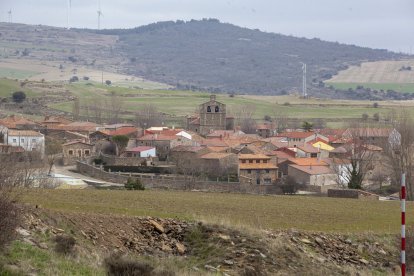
29, 140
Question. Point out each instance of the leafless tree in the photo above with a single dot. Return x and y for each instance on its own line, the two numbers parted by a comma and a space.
399, 150
359, 159
244, 118
76, 109
53, 150
280, 119
148, 116
113, 106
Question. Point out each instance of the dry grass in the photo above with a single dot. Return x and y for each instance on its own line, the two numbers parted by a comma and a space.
258, 212
377, 72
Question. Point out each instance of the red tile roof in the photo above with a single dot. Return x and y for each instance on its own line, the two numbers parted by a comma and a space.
215, 155
296, 134
157, 137
123, 131
314, 170
253, 166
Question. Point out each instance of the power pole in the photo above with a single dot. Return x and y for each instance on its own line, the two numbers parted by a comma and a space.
304, 92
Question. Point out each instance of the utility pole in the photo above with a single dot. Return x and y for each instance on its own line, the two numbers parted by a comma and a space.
304, 92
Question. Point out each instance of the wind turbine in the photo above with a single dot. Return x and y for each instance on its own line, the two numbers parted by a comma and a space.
99, 14
10, 16
69, 6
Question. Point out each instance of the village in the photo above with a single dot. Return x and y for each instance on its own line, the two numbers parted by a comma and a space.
211, 153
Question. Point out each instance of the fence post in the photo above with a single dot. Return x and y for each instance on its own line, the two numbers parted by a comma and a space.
403, 268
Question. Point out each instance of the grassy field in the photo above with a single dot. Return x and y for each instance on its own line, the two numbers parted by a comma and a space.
181, 103
15, 73
400, 87
385, 71
260, 212
8, 86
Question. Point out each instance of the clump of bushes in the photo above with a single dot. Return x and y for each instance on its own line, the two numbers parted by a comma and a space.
65, 244
9, 218
117, 265
18, 96
134, 184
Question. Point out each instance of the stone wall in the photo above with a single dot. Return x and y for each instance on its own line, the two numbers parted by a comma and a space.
348, 193
121, 161
175, 182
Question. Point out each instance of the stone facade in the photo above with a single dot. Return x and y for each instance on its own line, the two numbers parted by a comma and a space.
212, 116
257, 169
74, 151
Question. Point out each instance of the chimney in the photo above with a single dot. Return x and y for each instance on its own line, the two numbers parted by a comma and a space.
212, 97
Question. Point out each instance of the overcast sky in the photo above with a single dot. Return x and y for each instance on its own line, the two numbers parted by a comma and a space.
387, 24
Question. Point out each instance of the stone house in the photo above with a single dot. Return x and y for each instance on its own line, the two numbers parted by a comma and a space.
257, 169
212, 116
219, 164
76, 151
163, 143
296, 138
320, 176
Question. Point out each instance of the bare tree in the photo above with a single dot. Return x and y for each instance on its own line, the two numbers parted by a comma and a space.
244, 118
280, 119
148, 116
354, 164
53, 150
114, 106
399, 150
76, 109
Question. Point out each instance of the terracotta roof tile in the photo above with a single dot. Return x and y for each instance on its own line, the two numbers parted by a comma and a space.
314, 170
252, 166
253, 156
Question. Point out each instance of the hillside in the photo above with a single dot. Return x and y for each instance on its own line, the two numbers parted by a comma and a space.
216, 56
198, 55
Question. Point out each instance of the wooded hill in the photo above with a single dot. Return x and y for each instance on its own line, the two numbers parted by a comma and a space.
221, 57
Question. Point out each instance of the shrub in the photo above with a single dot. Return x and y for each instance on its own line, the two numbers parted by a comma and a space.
290, 186
19, 96
108, 82
74, 79
64, 244
134, 184
117, 265
85, 78
375, 105
9, 218
286, 104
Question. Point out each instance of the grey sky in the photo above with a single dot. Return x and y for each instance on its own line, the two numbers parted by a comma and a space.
385, 24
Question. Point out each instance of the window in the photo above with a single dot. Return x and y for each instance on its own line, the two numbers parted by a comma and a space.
314, 155
33, 140
250, 161
208, 108
22, 140
243, 161
267, 171
265, 161
257, 161
267, 181
249, 171
216, 109
70, 152
14, 140
86, 152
